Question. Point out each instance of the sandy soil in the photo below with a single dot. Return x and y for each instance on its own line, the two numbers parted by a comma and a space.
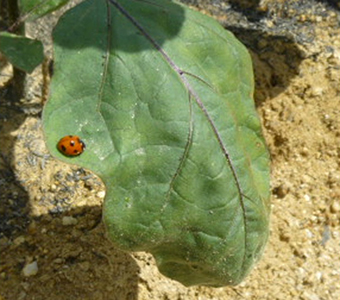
50, 213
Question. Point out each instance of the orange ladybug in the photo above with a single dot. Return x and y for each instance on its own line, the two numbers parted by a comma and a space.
71, 145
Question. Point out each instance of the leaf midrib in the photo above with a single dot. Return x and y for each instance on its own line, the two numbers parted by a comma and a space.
182, 75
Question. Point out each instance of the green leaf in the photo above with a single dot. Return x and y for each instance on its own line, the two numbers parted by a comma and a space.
22, 52
38, 8
162, 97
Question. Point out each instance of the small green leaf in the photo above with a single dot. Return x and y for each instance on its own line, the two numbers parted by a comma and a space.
38, 8
162, 97
22, 52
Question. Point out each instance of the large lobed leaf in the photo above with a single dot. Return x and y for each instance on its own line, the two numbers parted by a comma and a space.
162, 97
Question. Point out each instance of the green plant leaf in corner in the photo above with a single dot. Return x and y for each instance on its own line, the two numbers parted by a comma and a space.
35, 9
162, 97
22, 52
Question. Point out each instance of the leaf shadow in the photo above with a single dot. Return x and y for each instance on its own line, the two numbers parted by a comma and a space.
75, 261
13, 197
276, 60
335, 4
90, 23
248, 9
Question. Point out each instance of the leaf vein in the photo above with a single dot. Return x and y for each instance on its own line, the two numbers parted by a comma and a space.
199, 102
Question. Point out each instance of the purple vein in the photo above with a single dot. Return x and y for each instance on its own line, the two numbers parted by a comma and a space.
106, 58
182, 74
198, 100
185, 153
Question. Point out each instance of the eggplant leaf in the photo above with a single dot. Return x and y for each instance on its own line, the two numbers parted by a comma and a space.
162, 97
38, 8
22, 52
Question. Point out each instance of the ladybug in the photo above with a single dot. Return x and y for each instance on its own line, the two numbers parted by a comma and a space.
71, 145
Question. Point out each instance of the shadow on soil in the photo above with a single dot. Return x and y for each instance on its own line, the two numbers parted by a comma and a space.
73, 260
13, 210
276, 61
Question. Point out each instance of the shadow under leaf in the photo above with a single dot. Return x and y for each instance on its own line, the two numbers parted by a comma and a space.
276, 61
102, 24
72, 259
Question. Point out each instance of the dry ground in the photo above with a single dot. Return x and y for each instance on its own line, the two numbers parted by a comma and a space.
50, 213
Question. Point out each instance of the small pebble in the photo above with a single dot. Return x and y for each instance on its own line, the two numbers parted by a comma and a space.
30, 269
310, 296
335, 207
67, 221
307, 197
58, 261
101, 194
281, 191
304, 151
19, 240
